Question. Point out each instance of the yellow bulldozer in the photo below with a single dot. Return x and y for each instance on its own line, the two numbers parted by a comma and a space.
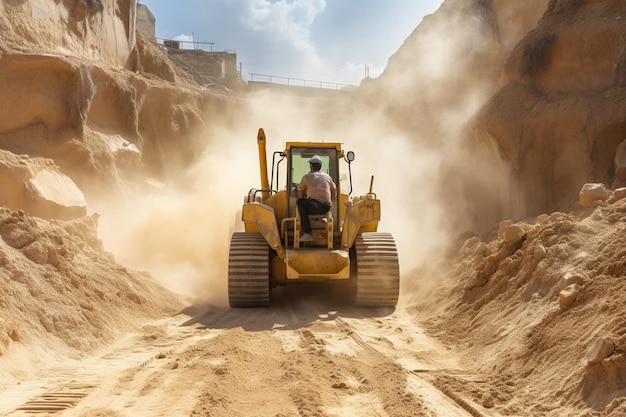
346, 244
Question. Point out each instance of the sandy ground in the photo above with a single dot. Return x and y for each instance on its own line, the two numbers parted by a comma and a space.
305, 356
528, 323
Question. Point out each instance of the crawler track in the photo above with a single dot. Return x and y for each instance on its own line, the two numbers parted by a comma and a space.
378, 270
248, 271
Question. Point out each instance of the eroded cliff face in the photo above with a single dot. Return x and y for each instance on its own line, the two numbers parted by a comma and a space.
451, 64
80, 89
524, 101
559, 118
91, 29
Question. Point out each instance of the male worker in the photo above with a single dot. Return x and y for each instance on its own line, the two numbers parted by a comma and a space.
316, 193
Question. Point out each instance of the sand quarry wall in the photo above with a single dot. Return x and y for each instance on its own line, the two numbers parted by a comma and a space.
524, 101
93, 29
525, 106
84, 91
560, 117
75, 113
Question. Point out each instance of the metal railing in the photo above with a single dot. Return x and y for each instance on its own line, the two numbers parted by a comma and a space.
299, 82
177, 44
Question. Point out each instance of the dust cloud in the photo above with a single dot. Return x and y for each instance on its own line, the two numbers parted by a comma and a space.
180, 231
432, 89
410, 143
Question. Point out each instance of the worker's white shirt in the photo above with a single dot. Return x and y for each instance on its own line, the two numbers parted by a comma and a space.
317, 185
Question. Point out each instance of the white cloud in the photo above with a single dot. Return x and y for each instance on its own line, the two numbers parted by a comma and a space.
286, 22
303, 39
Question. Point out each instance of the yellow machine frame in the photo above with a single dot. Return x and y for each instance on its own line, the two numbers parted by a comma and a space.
267, 212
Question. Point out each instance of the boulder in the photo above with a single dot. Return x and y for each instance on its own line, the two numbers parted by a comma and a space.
602, 349
592, 192
39, 188
568, 295
570, 278
618, 194
55, 195
513, 234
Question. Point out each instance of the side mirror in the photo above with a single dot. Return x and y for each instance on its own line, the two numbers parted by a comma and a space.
349, 156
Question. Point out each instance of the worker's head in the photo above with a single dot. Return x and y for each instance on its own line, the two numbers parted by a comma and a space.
316, 163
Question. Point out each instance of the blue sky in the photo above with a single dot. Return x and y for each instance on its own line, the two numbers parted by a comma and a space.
325, 40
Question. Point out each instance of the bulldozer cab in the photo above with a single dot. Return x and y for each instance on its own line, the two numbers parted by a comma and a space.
298, 165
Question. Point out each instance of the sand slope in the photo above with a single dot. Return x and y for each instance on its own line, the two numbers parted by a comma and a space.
512, 288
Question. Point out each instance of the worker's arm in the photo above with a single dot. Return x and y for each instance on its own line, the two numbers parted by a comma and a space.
333, 191
302, 189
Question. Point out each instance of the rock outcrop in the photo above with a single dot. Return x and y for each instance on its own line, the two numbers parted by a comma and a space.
37, 186
559, 119
79, 87
524, 100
